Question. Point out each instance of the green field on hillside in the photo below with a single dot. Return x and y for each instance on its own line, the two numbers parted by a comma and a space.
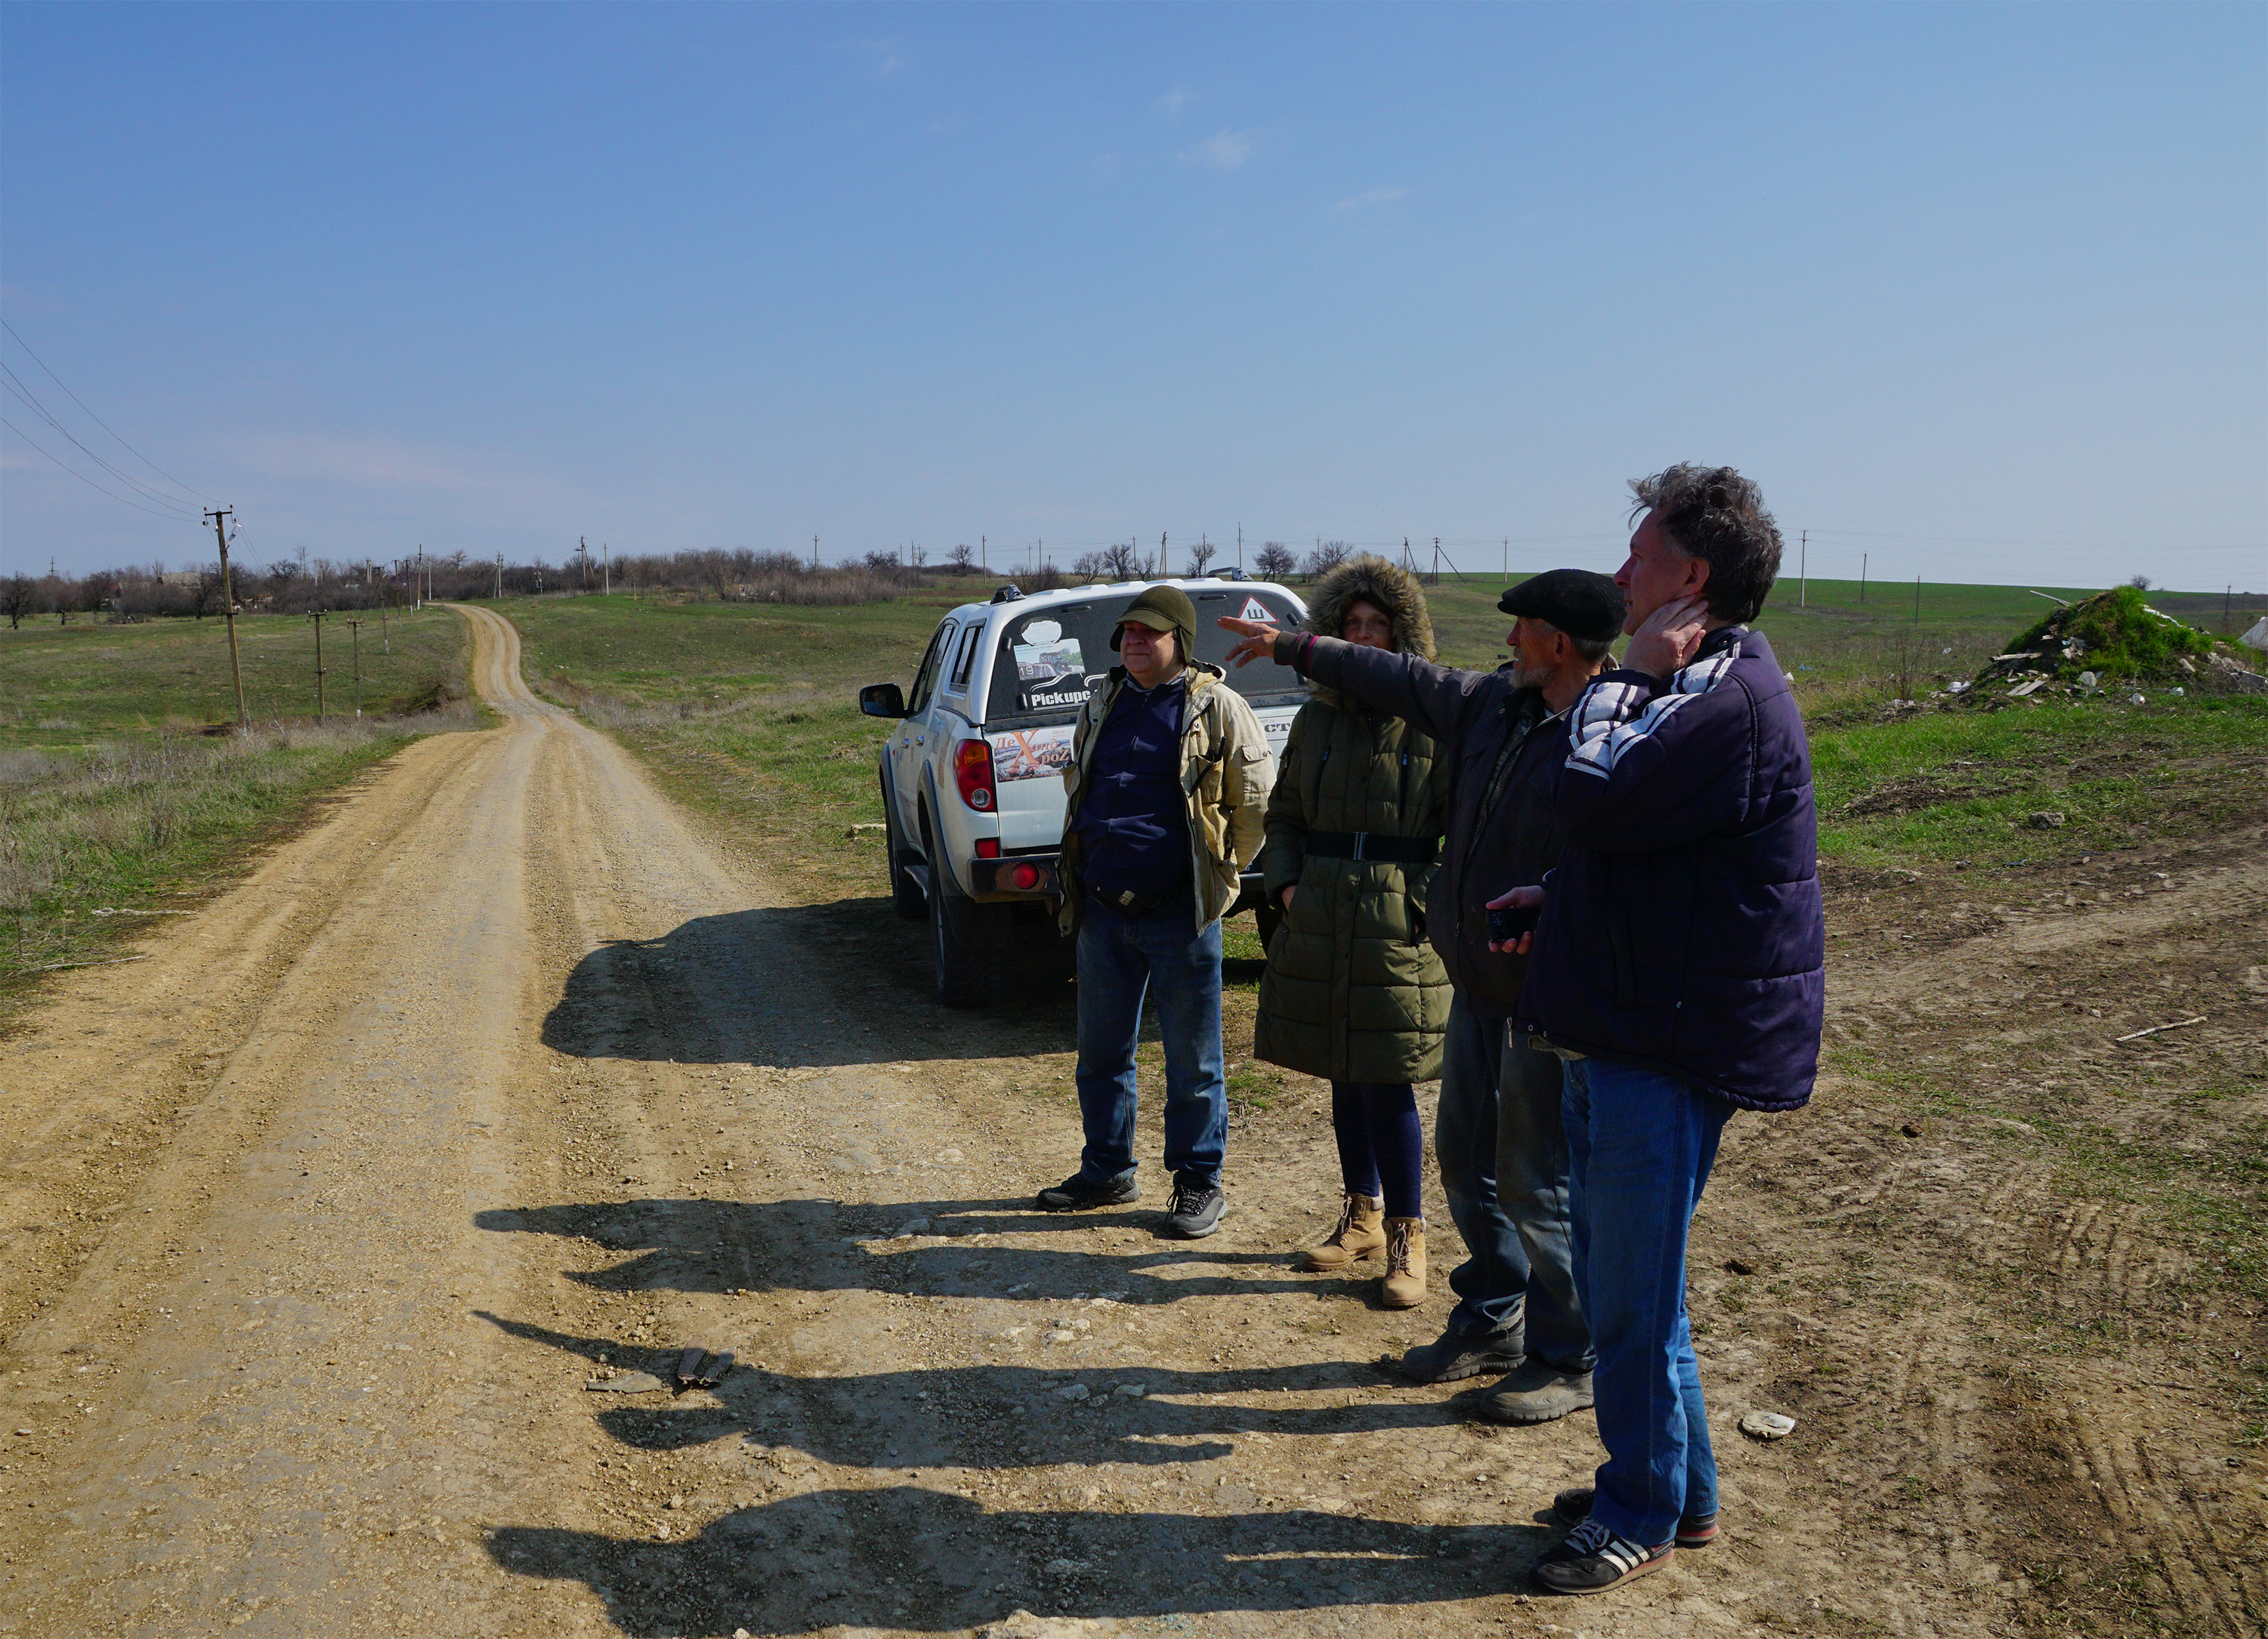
64, 685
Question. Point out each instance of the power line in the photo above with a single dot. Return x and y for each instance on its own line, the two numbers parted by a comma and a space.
89, 483
98, 422
23, 394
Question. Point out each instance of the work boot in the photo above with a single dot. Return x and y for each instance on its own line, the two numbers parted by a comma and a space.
1404, 1286
1455, 1355
1078, 1193
1361, 1231
1196, 1210
1538, 1392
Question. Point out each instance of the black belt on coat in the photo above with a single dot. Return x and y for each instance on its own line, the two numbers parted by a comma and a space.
1365, 845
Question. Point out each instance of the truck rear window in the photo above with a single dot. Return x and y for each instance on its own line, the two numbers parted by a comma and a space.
1051, 660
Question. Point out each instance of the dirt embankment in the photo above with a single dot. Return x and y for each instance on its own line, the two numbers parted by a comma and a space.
504, 1077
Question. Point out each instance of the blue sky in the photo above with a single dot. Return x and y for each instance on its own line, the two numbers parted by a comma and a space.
1978, 290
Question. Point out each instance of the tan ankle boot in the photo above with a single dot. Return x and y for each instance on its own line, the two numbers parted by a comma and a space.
1404, 1286
1361, 1231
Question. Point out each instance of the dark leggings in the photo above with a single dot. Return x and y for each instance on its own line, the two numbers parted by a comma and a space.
1379, 1141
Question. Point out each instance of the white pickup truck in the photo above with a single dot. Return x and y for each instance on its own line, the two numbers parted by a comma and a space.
972, 774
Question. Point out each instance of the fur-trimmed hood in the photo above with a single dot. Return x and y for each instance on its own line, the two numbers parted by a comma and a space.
1384, 585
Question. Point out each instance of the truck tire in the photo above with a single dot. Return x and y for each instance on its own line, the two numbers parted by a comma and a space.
906, 897
968, 942
1269, 919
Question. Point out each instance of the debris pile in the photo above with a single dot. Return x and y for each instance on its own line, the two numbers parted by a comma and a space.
2113, 638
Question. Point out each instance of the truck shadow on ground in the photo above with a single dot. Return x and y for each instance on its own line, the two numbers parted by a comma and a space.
1004, 1416
717, 1247
731, 988
906, 1557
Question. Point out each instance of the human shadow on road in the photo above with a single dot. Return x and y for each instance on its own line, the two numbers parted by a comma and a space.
747, 986
993, 1416
698, 1245
909, 1558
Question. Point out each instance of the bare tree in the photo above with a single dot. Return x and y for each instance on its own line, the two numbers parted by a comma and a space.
2140, 583
1121, 561
18, 593
1274, 561
1201, 554
962, 560
1327, 557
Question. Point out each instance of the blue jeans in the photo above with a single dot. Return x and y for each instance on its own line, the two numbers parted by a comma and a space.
1503, 1167
1121, 957
1642, 1144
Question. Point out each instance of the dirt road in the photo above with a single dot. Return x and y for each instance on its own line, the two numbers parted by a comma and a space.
506, 1076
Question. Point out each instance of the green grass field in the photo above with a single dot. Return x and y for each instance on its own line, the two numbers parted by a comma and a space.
750, 710
116, 801
66, 686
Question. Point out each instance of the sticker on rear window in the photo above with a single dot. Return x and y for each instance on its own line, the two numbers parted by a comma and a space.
1050, 673
1029, 753
1256, 610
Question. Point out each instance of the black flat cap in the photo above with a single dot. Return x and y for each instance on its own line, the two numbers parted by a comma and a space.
1578, 602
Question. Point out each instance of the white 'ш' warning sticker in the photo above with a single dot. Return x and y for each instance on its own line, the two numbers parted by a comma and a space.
1256, 610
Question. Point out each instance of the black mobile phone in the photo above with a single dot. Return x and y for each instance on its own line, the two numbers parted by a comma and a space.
1507, 924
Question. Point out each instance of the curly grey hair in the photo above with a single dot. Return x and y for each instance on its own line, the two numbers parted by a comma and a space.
1712, 512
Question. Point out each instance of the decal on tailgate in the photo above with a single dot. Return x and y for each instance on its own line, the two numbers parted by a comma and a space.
1029, 753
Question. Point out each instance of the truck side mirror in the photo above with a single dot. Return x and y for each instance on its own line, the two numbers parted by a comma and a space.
883, 700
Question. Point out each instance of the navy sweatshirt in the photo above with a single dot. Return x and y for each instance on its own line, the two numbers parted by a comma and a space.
1134, 825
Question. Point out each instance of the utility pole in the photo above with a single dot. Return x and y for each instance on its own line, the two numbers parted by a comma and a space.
1437, 560
1507, 557
815, 552
355, 627
1862, 577
1161, 552
318, 618
228, 608
417, 599
1803, 572
2227, 592
607, 569
499, 578
1239, 546
983, 552
1916, 601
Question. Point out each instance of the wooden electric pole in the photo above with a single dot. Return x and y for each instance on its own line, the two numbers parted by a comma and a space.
1803, 572
228, 608
1862, 577
318, 618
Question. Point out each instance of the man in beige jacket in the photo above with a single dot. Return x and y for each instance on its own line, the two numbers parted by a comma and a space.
1166, 793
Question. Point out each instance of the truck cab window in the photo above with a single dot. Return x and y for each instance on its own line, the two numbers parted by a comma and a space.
925, 678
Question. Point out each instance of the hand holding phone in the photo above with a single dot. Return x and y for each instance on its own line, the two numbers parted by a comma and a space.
1511, 921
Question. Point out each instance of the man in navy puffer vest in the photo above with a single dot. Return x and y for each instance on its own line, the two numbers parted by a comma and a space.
1678, 970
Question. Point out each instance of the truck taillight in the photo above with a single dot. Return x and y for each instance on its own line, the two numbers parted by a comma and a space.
972, 772
1025, 876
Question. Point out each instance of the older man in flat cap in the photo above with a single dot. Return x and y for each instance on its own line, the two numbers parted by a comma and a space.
1497, 1137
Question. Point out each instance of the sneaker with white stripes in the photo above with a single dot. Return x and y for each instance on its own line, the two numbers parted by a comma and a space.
1592, 1559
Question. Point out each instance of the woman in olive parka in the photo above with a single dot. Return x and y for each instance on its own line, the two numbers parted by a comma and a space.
1352, 991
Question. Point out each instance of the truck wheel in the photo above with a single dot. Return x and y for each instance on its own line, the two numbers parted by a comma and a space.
1269, 919
906, 896
968, 942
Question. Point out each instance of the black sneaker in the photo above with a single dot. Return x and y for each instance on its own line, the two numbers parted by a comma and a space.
1195, 1210
1694, 1531
1455, 1355
1078, 1193
1592, 1559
